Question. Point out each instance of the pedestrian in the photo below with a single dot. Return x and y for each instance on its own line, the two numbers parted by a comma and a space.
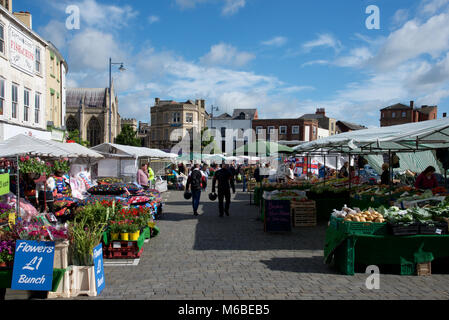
181, 168
290, 175
257, 175
344, 171
196, 182
142, 176
225, 181
385, 177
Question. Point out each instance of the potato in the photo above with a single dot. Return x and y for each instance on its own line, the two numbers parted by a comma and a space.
356, 219
362, 219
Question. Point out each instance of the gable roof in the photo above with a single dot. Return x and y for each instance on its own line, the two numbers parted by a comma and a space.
92, 97
351, 126
249, 113
397, 106
223, 116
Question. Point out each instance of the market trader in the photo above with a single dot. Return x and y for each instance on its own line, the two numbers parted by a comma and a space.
142, 176
225, 183
427, 179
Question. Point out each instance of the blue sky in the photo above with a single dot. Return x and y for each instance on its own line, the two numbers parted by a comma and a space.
285, 58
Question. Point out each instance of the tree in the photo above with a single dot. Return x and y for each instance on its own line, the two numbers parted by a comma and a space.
208, 140
75, 136
128, 137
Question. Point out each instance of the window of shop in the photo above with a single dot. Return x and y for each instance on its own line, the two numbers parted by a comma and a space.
2, 38
2, 95
176, 117
38, 60
37, 107
26, 104
14, 100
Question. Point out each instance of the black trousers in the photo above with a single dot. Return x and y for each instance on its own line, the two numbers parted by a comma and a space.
222, 196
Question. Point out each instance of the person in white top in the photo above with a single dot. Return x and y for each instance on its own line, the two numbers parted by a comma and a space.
290, 174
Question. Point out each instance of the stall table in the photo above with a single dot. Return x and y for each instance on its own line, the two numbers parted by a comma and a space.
348, 250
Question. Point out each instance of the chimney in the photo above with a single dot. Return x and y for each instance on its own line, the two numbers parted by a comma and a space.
25, 18
203, 104
412, 104
157, 100
321, 111
444, 115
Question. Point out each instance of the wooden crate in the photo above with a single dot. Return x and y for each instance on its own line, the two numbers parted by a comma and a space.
304, 213
424, 269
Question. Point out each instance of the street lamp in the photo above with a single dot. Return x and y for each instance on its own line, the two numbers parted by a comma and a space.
212, 115
121, 69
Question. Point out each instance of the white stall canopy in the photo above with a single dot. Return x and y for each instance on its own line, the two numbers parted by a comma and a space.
132, 152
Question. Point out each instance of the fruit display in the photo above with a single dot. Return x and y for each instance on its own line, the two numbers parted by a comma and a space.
356, 215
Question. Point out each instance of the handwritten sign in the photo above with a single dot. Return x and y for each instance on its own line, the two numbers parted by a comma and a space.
21, 51
4, 184
277, 216
99, 268
33, 265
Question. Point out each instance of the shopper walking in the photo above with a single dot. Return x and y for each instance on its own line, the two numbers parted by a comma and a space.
225, 181
196, 182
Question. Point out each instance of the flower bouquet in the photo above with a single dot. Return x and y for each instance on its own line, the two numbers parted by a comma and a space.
61, 166
7, 249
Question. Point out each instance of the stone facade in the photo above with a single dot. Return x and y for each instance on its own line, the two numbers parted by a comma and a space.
287, 129
171, 119
90, 107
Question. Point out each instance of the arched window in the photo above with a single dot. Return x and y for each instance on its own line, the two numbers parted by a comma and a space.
94, 132
71, 124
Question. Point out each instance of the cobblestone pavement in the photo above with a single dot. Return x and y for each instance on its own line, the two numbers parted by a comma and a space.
208, 257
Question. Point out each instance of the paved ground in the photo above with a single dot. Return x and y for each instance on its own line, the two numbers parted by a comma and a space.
208, 257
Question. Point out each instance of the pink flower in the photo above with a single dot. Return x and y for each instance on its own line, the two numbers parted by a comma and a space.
27, 158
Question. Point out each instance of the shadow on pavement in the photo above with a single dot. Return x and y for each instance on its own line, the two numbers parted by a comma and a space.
312, 264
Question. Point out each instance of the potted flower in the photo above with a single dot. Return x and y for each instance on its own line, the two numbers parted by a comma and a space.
114, 229
33, 167
61, 166
124, 232
134, 231
6, 253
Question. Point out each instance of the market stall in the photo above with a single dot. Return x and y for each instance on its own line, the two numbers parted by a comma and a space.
393, 225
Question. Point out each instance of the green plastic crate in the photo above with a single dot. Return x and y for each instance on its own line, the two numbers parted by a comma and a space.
344, 257
407, 269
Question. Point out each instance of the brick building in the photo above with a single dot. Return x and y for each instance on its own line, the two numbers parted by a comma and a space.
287, 129
400, 113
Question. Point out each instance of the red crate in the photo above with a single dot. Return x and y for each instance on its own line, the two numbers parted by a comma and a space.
126, 250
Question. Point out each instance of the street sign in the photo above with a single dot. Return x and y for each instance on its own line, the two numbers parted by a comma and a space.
33, 265
99, 268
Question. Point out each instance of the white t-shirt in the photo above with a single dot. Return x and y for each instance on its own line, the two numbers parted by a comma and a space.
290, 174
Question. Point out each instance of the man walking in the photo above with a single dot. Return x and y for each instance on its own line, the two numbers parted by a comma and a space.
225, 183
196, 181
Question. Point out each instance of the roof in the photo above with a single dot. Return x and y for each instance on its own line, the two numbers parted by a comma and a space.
312, 116
397, 106
133, 152
249, 113
351, 126
223, 116
92, 97
26, 145
426, 109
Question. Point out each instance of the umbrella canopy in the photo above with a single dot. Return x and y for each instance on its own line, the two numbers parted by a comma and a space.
262, 148
134, 152
22, 145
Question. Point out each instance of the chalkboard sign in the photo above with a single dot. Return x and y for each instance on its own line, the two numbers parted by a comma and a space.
277, 216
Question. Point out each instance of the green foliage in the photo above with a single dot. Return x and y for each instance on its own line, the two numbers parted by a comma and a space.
128, 137
74, 135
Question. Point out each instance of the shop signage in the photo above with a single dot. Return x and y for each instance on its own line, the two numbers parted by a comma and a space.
99, 268
21, 51
4, 184
277, 216
33, 265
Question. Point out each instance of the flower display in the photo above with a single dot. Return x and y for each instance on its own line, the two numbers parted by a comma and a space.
7, 249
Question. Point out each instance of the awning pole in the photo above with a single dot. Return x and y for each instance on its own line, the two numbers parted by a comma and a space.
18, 188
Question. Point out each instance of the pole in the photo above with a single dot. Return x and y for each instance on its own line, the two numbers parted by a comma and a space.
18, 188
110, 99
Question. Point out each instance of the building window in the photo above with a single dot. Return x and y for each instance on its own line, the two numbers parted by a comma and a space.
2, 38
2, 95
38, 60
189, 117
26, 104
165, 117
404, 114
295, 130
283, 129
223, 132
37, 107
176, 117
259, 130
165, 134
393, 115
314, 131
14, 100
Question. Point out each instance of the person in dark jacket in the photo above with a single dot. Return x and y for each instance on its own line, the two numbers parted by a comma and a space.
427, 179
196, 181
385, 177
257, 174
225, 183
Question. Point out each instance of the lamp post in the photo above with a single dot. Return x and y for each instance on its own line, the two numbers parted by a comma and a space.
212, 115
121, 69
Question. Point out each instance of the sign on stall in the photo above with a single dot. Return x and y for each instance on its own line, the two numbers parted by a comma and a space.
99, 268
33, 265
4, 184
277, 216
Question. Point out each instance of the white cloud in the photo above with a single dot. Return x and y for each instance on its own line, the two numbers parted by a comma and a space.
226, 55
314, 62
323, 40
413, 40
232, 7
400, 16
153, 19
432, 6
356, 58
276, 42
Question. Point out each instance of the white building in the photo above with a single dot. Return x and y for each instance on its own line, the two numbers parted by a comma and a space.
22, 79
233, 131
322, 133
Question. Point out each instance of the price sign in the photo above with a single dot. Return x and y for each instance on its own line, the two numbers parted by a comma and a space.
277, 216
4, 184
99, 268
33, 265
